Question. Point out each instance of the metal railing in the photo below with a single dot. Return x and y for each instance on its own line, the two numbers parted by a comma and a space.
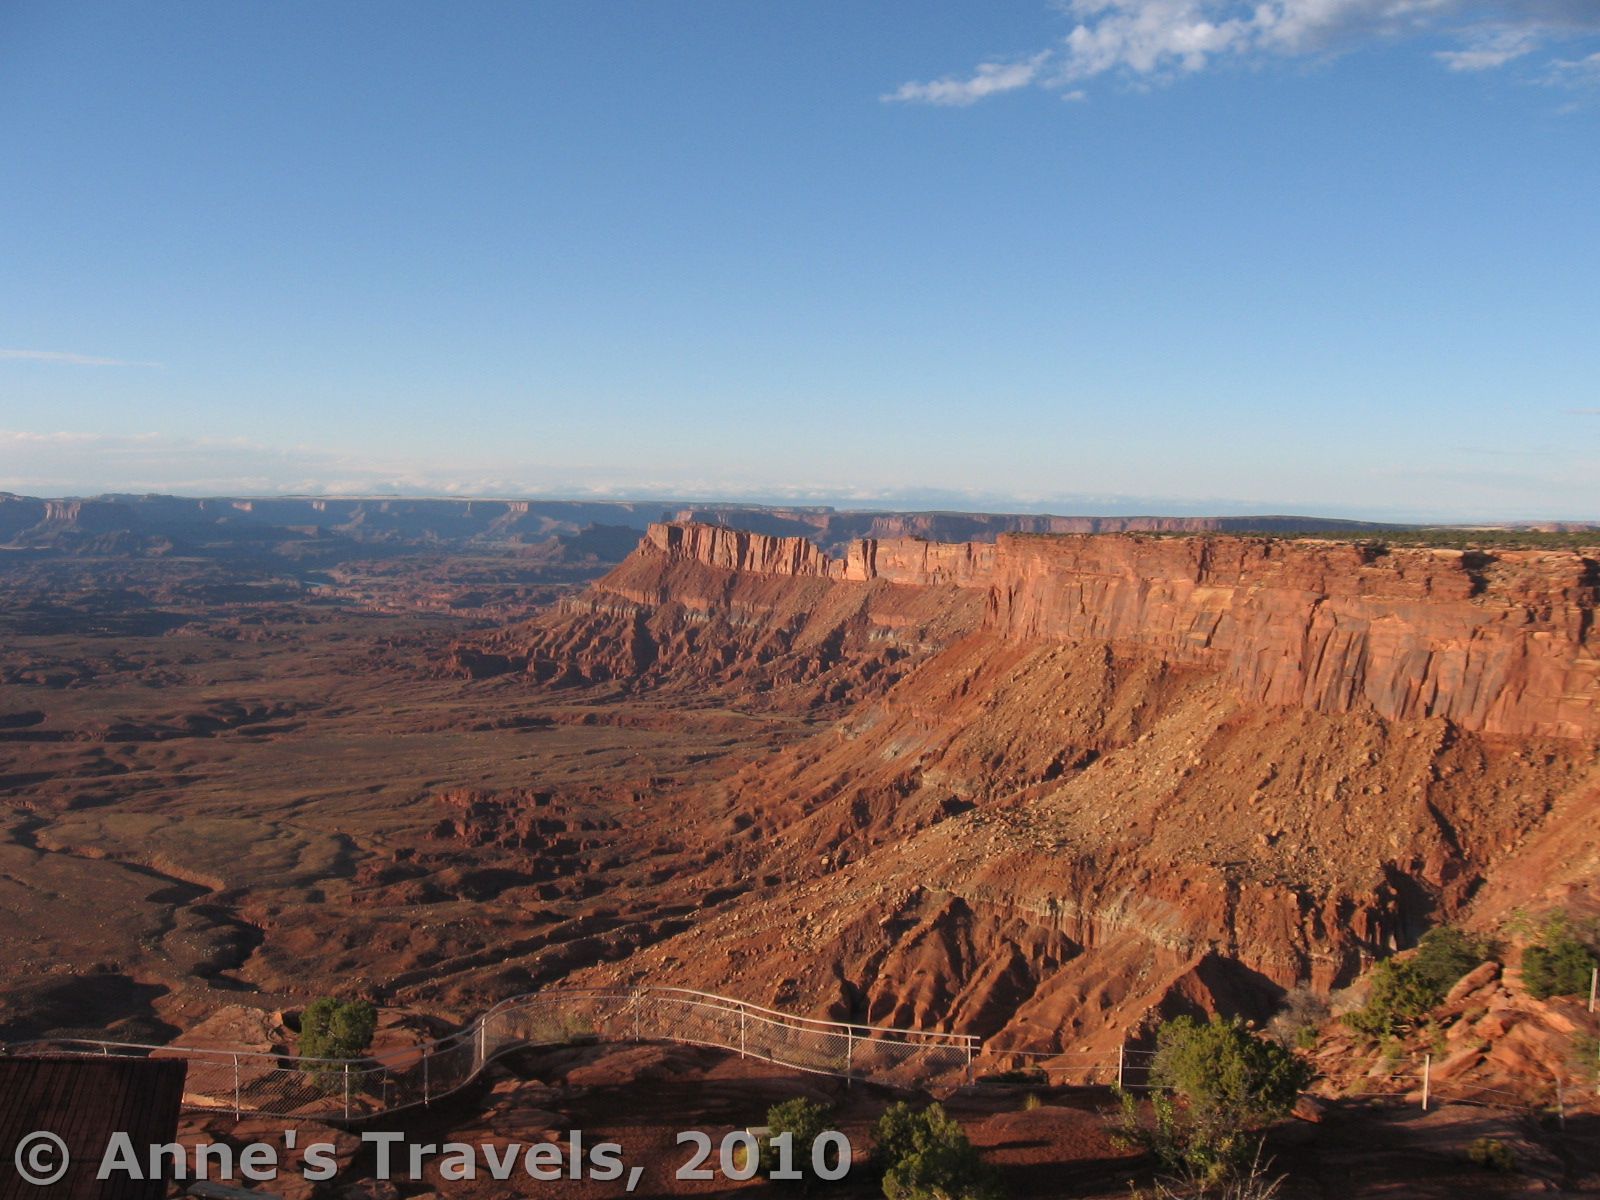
1132, 1069
264, 1083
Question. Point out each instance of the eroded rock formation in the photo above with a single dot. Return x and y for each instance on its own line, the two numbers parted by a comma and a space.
1083, 781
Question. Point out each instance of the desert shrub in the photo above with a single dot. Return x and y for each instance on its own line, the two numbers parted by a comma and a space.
895, 1134
1253, 1182
1559, 963
1231, 1082
333, 1028
1296, 1023
1226, 1073
1031, 1101
925, 1155
1165, 1137
805, 1121
1398, 999
1391, 1050
1403, 990
1492, 1154
1445, 954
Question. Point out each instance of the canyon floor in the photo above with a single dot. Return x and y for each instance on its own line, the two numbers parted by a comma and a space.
211, 800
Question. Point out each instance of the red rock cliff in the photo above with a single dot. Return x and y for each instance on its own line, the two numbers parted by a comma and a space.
1500, 644
737, 550
1497, 643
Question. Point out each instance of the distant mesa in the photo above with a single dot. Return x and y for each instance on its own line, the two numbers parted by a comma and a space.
326, 529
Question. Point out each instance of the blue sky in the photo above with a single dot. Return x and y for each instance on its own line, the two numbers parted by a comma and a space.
1334, 256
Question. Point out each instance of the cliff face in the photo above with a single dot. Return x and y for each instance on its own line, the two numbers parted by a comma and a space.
737, 550
1498, 644
1501, 644
771, 620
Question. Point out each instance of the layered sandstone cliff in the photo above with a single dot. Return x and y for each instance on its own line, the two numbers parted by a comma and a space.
1499, 643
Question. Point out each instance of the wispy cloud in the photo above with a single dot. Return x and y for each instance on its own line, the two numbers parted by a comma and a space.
66, 358
989, 79
1164, 39
1579, 71
1490, 49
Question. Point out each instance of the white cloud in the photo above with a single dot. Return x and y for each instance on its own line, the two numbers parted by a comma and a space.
989, 79
1144, 36
1145, 39
66, 358
1494, 48
1579, 69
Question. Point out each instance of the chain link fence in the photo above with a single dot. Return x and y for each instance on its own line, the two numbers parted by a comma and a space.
262, 1083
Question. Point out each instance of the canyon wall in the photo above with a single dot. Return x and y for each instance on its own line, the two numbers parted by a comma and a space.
1500, 643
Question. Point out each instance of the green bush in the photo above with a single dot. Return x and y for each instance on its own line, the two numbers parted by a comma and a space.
1403, 990
331, 1028
1398, 999
1445, 954
1166, 1137
925, 1155
805, 1121
1492, 1154
1559, 964
895, 1134
1226, 1073
1231, 1082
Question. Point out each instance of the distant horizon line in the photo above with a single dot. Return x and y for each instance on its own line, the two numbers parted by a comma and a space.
825, 505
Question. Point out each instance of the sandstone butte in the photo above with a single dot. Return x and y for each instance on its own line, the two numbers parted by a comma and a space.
1063, 785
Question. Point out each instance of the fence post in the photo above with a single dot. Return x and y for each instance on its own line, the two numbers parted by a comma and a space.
238, 1099
969, 1057
347, 1091
483, 1043
1561, 1103
849, 1052
1122, 1053
1594, 979
1427, 1079
741, 1030
425, 1096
